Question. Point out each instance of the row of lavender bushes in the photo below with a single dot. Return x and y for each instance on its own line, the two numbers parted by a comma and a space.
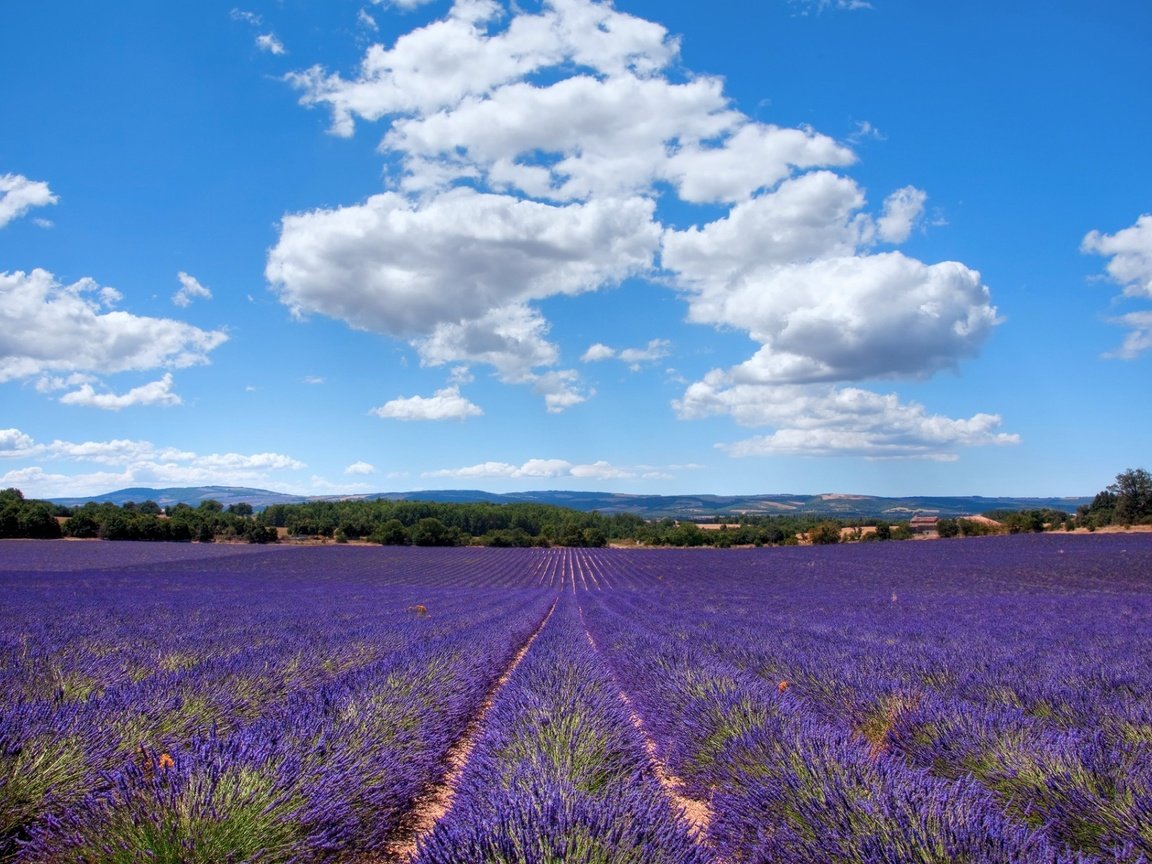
236, 708
560, 774
992, 707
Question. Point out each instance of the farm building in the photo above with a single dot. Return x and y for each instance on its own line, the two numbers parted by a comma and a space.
921, 525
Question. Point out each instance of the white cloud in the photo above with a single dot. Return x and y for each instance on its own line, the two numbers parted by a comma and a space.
131, 463
47, 327
600, 470
656, 349
1139, 339
445, 404
406, 5
18, 195
597, 352
535, 469
269, 43
454, 273
190, 289
1130, 265
865, 130
365, 20
247, 17
13, 442
816, 7
402, 267
902, 211
527, 154
561, 389
314, 380
791, 269
360, 468
437, 66
512, 339
485, 469
825, 420
52, 383
153, 393
1130, 254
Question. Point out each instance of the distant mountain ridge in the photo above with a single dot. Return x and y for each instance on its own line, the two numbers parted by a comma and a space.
646, 506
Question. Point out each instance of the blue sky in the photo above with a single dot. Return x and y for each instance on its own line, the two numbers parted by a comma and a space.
889, 248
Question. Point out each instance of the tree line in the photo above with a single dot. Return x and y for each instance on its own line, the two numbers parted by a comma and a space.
1128, 501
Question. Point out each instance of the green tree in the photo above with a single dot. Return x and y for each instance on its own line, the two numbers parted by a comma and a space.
824, 533
430, 531
391, 533
1133, 491
948, 528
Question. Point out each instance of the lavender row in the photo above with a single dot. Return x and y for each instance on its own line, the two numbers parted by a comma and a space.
785, 786
1044, 700
321, 746
560, 773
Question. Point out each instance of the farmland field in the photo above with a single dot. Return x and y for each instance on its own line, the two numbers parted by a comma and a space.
985, 700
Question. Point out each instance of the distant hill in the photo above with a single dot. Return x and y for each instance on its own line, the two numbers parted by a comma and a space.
647, 506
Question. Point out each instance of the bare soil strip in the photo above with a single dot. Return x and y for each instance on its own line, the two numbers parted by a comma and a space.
696, 814
433, 804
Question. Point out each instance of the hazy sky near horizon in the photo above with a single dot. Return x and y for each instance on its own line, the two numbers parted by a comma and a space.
885, 247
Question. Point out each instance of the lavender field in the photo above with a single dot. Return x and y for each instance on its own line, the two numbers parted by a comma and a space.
985, 700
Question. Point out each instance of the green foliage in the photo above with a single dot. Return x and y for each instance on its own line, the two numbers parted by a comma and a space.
430, 531
973, 528
227, 813
825, 533
1028, 521
948, 528
1133, 491
24, 518
1128, 501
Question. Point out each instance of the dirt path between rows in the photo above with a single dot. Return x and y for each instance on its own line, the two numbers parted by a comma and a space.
434, 802
696, 814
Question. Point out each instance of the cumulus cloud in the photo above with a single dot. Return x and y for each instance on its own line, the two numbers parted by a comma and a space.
126, 462
47, 327
527, 154
1130, 254
1130, 265
455, 273
18, 195
360, 468
153, 393
598, 352
561, 389
445, 404
562, 178
656, 349
402, 266
13, 442
902, 210
190, 289
828, 420
535, 469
